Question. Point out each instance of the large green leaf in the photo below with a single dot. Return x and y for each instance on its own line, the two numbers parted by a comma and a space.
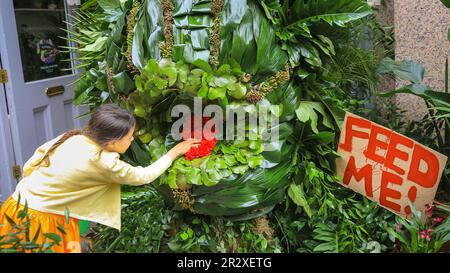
116, 32
112, 56
147, 34
122, 83
154, 28
249, 192
339, 19
405, 70
138, 49
448, 34
202, 7
232, 14
243, 48
287, 95
270, 57
200, 38
109, 4
337, 113
332, 12
182, 7
141, 154
97, 46
112, 8
297, 195
307, 111
446, 3
249, 39
192, 25
298, 21
309, 52
417, 89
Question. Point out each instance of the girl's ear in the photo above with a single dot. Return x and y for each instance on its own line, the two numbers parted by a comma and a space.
111, 144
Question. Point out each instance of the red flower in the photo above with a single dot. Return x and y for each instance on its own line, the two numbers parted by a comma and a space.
430, 211
206, 146
437, 220
425, 234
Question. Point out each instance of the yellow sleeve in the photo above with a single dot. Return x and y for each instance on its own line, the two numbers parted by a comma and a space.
118, 171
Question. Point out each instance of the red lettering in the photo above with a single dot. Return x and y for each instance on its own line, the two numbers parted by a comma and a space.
425, 179
385, 191
393, 152
350, 133
375, 143
365, 172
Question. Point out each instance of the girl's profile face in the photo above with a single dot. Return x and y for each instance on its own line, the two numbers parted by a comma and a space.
121, 145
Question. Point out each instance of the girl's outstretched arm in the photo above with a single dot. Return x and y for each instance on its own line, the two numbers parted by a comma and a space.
118, 171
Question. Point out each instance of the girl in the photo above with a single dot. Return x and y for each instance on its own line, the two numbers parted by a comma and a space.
81, 171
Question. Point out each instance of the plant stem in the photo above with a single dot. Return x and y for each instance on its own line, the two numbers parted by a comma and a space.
436, 127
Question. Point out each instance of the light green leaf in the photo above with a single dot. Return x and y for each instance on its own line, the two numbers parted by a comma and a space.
97, 46
306, 111
217, 93
297, 195
405, 70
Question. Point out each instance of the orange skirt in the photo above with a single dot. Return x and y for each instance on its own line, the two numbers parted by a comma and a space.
47, 222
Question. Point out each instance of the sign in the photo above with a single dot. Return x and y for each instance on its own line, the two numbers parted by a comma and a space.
46, 50
387, 167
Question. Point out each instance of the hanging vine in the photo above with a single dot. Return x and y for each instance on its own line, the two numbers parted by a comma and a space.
109, 77
167, 45
214, 38
131, 21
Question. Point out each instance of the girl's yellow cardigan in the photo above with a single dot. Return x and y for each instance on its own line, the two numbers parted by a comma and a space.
83, 180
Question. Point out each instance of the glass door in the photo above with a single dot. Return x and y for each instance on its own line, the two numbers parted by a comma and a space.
40, 28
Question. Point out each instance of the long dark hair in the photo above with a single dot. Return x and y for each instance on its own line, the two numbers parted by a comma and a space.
108, 122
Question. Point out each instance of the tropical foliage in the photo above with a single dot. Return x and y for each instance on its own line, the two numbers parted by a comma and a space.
306, 57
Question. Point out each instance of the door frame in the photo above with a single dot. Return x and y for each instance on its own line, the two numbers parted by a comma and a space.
7, 155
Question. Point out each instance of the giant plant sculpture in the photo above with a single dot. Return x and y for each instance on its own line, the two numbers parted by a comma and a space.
149, 55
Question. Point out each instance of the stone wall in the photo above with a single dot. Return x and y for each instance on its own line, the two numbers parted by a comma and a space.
421, 28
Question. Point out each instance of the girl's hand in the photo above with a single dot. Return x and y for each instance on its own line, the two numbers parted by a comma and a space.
183, 147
